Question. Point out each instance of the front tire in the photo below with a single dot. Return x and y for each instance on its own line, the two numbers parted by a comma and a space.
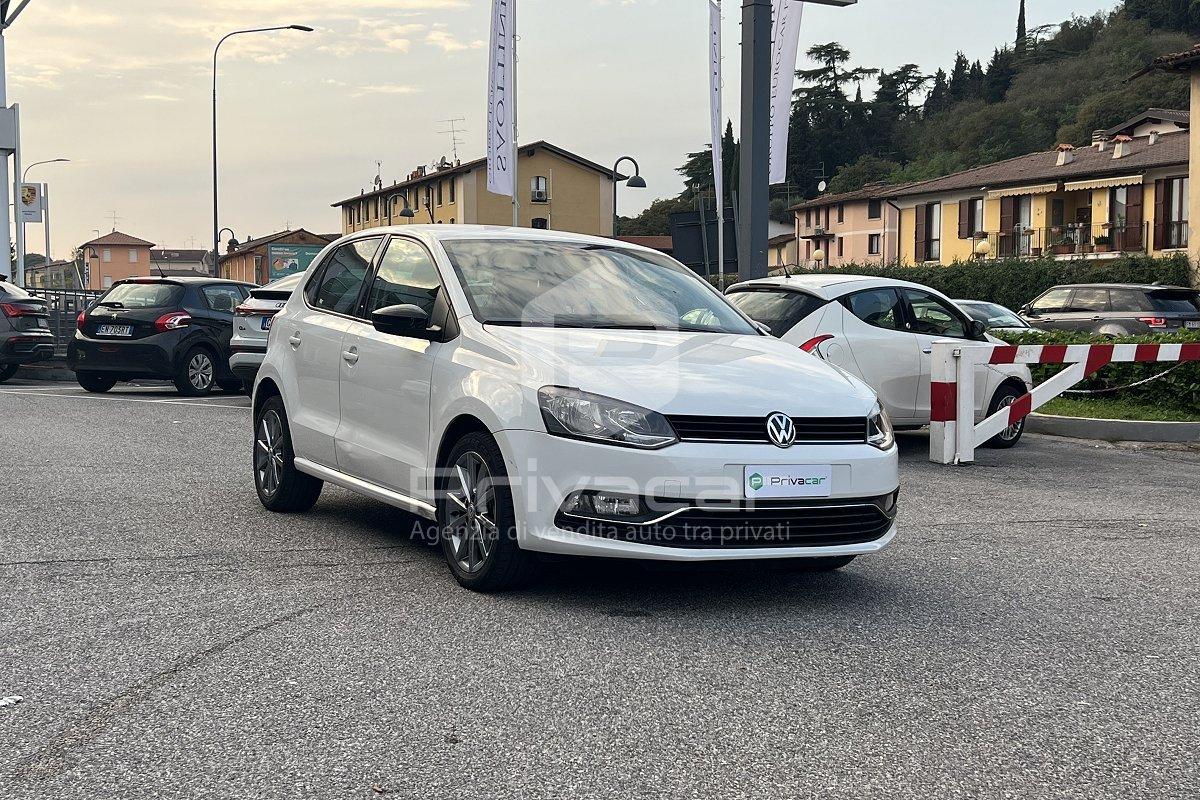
281, 487
1005, 396
476, 520
197, 373
8, 371
94, 382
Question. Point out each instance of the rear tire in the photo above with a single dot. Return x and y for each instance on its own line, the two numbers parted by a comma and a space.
197, 373
1008, 437
476, 518
8, 371
281, 487
95, 382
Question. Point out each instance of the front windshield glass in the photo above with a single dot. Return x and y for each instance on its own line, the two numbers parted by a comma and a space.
577, 285
992, 315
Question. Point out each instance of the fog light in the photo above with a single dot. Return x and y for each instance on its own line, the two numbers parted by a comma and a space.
889, 502
604, 504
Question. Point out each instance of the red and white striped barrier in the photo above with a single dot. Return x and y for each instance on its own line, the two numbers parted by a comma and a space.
953, 433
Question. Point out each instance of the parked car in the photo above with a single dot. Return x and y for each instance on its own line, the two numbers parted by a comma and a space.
1115, 309
177, 329
994, 316
532, 390
251, 324
25, 335
883, 332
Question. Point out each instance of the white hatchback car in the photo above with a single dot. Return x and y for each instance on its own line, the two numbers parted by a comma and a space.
882, 331
539, 391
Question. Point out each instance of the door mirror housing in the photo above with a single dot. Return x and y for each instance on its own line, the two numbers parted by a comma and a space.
405, 320
976, 330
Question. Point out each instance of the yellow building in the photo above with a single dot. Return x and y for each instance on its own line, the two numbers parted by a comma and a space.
556, 190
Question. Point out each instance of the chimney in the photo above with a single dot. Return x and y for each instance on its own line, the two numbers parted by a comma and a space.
1121, 146
1066, 154
1153, 137
1099, 140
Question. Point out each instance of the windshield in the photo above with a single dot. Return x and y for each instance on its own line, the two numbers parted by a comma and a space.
576, 285
992, 315
143, 295
778, 309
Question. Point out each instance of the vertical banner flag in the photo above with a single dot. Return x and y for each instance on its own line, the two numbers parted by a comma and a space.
714, 69
502, 124
785, 40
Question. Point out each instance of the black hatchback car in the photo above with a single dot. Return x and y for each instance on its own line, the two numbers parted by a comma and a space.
172, 328
1115, 309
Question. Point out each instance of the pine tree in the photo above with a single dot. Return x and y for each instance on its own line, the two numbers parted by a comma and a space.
957, 86
938, 98
1021, 29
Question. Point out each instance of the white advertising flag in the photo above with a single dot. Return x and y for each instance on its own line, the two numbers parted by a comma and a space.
785, 40
717, 114
502, 124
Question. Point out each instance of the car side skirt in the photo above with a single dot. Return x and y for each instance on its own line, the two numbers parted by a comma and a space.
389, 496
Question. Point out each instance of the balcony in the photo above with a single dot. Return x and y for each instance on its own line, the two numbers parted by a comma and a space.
1075, 240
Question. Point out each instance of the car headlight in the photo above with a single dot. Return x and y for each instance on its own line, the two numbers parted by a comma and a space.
582, 415
880, 432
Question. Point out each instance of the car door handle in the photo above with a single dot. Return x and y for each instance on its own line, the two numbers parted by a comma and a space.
927, 350
1096, 319
295, 340
350, 356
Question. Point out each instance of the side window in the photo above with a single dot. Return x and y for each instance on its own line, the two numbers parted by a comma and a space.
1129, 300
1089, 300
933, 317
879, 308
406, 275
337, 285
1052, 301
222, 297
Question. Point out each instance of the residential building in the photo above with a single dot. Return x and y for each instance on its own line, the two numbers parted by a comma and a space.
268, 258
856, 227
113, 257
556, 189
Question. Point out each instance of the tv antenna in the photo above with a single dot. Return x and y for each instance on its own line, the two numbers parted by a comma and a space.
454, 131
112, 215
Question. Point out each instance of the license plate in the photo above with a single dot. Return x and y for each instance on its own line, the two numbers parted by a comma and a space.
1194, 324
114, 330
777, 481
266, 323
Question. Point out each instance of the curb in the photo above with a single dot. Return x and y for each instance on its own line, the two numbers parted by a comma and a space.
1114, 430
49, 371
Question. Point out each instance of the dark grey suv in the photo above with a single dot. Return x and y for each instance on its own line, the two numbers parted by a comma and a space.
1115, 309
25, 334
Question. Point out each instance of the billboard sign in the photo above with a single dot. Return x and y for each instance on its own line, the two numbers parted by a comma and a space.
33, 201
285, 259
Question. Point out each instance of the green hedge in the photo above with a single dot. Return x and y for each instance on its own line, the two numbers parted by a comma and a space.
1179, 389
1014, 282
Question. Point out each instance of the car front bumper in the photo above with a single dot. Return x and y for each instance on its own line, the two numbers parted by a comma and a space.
544, 470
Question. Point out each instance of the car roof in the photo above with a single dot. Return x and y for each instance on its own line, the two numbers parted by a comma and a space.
1147, 287
826, 286
444, 233
182, 280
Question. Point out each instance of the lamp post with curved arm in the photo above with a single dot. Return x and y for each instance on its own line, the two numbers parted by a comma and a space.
216, 50
45, 204
634, 182
405, 212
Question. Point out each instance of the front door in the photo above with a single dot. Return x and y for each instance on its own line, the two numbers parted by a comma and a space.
931, 319
884, 355
386, 379
315, 335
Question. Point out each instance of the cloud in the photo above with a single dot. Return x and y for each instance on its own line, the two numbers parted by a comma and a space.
384, 88
438, 37
159, 98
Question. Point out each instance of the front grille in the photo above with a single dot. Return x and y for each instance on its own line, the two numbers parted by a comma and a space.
753, 430
778, 523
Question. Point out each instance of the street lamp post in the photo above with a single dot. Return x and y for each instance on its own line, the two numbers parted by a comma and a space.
634, 182
216, 50
45, 204
405, 212
232, 243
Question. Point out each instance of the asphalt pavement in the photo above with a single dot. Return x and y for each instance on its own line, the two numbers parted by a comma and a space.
1032, 633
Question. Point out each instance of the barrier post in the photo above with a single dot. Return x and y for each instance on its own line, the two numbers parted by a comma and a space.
943, 401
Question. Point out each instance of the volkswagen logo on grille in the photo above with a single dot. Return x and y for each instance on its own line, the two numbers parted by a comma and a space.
781, 430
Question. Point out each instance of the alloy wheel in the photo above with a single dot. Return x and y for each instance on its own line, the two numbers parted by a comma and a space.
200, 371
268, 452
1014, 430
471, 513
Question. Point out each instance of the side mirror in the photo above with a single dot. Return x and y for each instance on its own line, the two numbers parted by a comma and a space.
1025, 310
404, 320
976, 329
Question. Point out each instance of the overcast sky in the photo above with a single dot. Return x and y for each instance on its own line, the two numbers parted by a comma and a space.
121, 87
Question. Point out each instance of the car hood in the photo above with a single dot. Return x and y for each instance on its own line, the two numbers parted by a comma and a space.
687, 373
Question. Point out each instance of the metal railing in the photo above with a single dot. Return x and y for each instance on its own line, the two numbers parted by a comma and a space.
1072, 239
64, 306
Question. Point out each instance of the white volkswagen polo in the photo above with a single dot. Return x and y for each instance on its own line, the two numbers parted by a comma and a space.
535, 391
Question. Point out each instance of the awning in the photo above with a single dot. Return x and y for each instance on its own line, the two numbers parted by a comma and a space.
1103, 183
1017, 191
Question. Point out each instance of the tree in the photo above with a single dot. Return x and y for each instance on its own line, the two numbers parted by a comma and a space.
1021, 29
938, 98
829, 75
868, 169
1001, 71
957, 88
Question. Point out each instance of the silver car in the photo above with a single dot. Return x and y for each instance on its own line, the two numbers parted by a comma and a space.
252, 322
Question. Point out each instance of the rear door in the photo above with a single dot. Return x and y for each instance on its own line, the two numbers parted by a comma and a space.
884, 353
1087, 310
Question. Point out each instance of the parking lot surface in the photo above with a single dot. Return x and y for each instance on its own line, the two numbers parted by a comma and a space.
1032, 633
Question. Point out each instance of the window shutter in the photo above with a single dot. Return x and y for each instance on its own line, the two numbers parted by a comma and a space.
1008, 218
922, 252
1133, 217
1160, 214
964, 219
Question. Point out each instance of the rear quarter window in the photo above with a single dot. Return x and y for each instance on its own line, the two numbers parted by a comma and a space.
779, 310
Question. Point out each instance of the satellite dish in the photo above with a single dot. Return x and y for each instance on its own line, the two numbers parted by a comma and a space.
822, 186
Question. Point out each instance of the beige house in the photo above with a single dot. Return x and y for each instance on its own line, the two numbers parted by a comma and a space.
556, 190
113, 257
856, 227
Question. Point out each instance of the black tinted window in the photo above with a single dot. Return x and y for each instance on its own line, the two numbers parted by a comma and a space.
1089, 300
341, 278
144, 295
223, 297
1176, 301
406, 275
1128, 300
777, 309
878, 307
